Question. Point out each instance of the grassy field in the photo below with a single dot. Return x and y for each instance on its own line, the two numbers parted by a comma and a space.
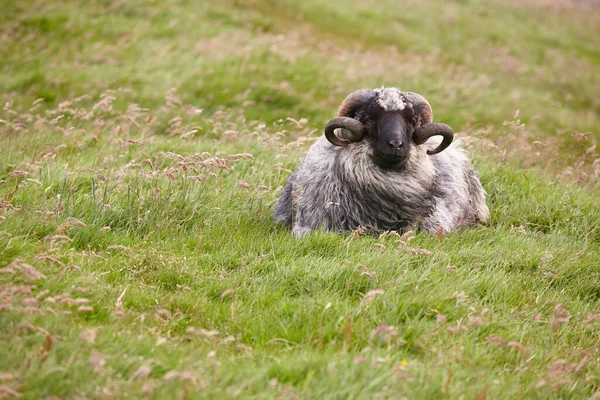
142, 147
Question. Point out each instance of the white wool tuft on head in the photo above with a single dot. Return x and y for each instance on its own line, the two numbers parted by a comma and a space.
390, 99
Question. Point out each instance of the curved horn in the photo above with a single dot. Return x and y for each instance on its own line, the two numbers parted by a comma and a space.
352, 131
355, 101
425, 128
420, 106
421, 134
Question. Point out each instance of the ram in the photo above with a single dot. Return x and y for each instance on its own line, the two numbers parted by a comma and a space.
373, 170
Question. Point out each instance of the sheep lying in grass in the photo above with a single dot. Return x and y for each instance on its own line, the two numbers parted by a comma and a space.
372, 169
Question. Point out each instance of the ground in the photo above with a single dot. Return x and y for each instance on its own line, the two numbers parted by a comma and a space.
143, 145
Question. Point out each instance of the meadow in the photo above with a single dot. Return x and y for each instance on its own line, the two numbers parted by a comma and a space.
143, 145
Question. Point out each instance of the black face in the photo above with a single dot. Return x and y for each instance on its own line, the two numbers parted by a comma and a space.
390, 135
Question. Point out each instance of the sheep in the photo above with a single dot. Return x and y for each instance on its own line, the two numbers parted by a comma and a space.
372, 170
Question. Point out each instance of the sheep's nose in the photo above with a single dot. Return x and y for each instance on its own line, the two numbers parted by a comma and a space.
395, 144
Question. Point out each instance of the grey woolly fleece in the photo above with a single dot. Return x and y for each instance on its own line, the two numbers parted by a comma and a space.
341, 189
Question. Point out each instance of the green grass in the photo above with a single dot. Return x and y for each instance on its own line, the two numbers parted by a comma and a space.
141, 188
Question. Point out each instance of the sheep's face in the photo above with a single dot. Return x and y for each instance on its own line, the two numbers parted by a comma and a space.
393, 122
390, 135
